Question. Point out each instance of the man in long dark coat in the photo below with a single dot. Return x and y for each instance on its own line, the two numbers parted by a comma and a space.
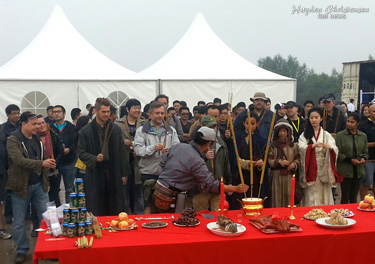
101, 148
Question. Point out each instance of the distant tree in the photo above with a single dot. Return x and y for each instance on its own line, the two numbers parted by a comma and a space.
310, 86
370, 57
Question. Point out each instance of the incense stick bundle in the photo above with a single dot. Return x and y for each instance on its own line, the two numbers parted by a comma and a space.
106, 136
251, 156
266, 154
236, 151
50, 140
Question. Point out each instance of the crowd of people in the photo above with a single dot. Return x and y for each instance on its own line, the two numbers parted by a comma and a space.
163, 159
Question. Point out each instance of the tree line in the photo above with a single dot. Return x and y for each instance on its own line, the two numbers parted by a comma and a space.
310, 85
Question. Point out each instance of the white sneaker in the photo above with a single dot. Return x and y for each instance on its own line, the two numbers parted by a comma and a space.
4, 234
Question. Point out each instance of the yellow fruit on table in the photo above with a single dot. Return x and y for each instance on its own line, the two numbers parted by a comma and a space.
363, 205
369, 198
123, 225
123, 216
115, 222
130, 221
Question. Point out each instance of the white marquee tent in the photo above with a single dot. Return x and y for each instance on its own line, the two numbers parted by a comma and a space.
201, 67
60, 67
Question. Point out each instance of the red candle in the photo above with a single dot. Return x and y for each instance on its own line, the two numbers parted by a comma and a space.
292, 191
222, 196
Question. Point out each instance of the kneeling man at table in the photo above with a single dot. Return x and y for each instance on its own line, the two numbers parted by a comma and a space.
184, 168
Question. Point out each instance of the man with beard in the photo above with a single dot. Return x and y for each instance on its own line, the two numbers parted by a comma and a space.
265, 116
101, 147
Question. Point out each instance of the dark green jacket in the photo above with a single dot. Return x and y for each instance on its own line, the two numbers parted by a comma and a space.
221, 163
20, 165
344, 142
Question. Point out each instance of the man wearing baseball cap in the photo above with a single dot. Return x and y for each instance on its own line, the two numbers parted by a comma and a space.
294, 119
28, 178
218, 164
183, 169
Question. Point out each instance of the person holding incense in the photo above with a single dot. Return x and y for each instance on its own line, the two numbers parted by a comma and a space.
353, 153
101, 147
283, 158
184, 168
318, 153
259, 144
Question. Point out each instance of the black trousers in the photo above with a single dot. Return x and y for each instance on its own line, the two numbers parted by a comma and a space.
350, 189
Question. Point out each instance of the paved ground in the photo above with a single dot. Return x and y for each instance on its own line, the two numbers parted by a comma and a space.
7, 247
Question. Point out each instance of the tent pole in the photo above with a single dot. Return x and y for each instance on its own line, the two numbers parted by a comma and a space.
77, 85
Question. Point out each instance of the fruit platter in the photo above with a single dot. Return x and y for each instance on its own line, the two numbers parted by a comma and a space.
367, 204
122, 223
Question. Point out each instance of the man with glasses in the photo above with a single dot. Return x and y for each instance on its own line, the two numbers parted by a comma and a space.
185, 122
68, 135
13, 113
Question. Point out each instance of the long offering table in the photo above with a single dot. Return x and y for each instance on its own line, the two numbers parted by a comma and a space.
174, 244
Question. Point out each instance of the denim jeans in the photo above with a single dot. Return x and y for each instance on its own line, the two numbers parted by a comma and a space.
38, 198
67, 172
136, 190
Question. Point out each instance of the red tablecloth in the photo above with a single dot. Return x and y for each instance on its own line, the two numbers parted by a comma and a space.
174, 244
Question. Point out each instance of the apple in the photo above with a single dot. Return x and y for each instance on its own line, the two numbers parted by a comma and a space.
130, 222
123, 216
369, 198
115, 222
123, 225
363, 205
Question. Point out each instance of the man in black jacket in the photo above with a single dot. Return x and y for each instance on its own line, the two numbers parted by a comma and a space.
67, 133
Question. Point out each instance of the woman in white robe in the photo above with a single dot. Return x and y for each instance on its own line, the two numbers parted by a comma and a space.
318, 152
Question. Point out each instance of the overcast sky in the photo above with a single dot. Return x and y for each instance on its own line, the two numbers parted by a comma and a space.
136, 33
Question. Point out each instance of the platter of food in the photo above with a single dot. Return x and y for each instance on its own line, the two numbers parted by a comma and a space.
226, 227
217, 230
343, 212
322, 222
186, 225
273, 225
154, 224
187, 218
315, 214
366, 210
368, 204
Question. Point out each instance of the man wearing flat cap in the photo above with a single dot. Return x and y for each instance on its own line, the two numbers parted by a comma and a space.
334, 120
265, 116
